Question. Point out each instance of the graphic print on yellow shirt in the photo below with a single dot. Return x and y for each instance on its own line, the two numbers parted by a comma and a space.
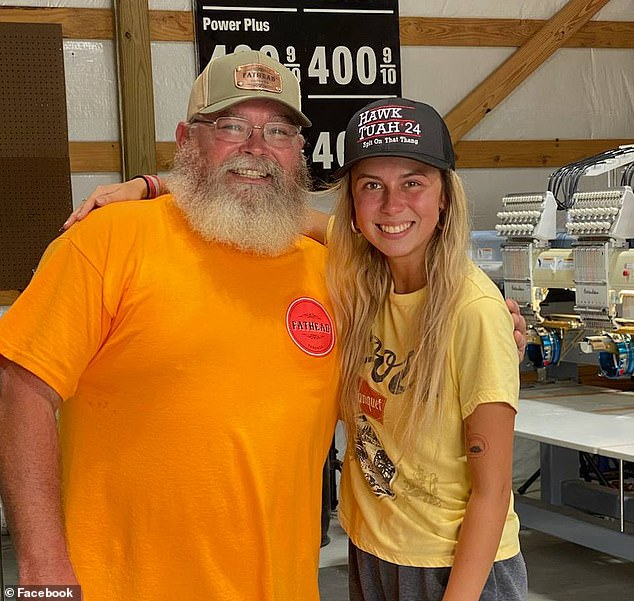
378, 469
388, 368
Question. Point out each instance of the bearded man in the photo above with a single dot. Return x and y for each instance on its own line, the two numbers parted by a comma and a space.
189, 349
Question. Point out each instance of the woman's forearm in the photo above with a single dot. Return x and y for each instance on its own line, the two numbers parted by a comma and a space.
478, 543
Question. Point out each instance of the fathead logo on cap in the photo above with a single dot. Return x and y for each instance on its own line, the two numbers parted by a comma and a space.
388, 125
257, 77
310, 327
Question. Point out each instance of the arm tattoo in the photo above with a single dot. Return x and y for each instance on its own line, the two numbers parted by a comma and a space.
477, 445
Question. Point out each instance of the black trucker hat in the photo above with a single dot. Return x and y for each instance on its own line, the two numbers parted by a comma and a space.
398, 127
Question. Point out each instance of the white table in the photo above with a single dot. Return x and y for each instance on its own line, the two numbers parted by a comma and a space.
566, 419
619, 451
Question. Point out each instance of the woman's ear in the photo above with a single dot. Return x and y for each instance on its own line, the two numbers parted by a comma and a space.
443, 201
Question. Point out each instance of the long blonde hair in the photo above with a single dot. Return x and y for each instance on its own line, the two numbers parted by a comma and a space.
359, 281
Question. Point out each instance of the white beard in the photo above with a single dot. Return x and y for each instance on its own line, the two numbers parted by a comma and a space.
264, 219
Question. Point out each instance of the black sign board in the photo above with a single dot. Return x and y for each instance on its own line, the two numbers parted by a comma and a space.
346, 53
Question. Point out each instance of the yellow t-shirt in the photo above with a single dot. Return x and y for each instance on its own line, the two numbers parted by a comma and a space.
407, 509
199, 386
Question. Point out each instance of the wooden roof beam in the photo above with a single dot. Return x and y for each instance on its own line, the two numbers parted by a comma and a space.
508, 76
503, 33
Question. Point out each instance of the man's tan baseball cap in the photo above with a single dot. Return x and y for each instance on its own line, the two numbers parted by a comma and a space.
240, 76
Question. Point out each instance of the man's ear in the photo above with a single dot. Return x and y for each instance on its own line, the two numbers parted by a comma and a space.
182, 133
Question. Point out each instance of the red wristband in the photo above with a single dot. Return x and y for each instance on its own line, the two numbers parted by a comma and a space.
152, 185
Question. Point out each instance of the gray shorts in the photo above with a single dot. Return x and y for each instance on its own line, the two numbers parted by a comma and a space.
372, 579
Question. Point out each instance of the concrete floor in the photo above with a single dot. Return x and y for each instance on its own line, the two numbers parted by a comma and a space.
557, 570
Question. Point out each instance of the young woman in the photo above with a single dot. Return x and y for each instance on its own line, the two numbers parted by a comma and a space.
429, 369
429, 373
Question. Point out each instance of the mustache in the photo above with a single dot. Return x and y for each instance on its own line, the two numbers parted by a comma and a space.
263, 165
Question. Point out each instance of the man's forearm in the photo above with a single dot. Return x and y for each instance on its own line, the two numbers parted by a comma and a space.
30, 477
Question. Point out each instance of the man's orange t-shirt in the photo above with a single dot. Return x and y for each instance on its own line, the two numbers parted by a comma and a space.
199, 389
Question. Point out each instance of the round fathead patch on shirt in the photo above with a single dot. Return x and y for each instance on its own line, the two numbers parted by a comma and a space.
310, 326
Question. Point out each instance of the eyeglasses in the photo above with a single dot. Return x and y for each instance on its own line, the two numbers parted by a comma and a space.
236, 129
